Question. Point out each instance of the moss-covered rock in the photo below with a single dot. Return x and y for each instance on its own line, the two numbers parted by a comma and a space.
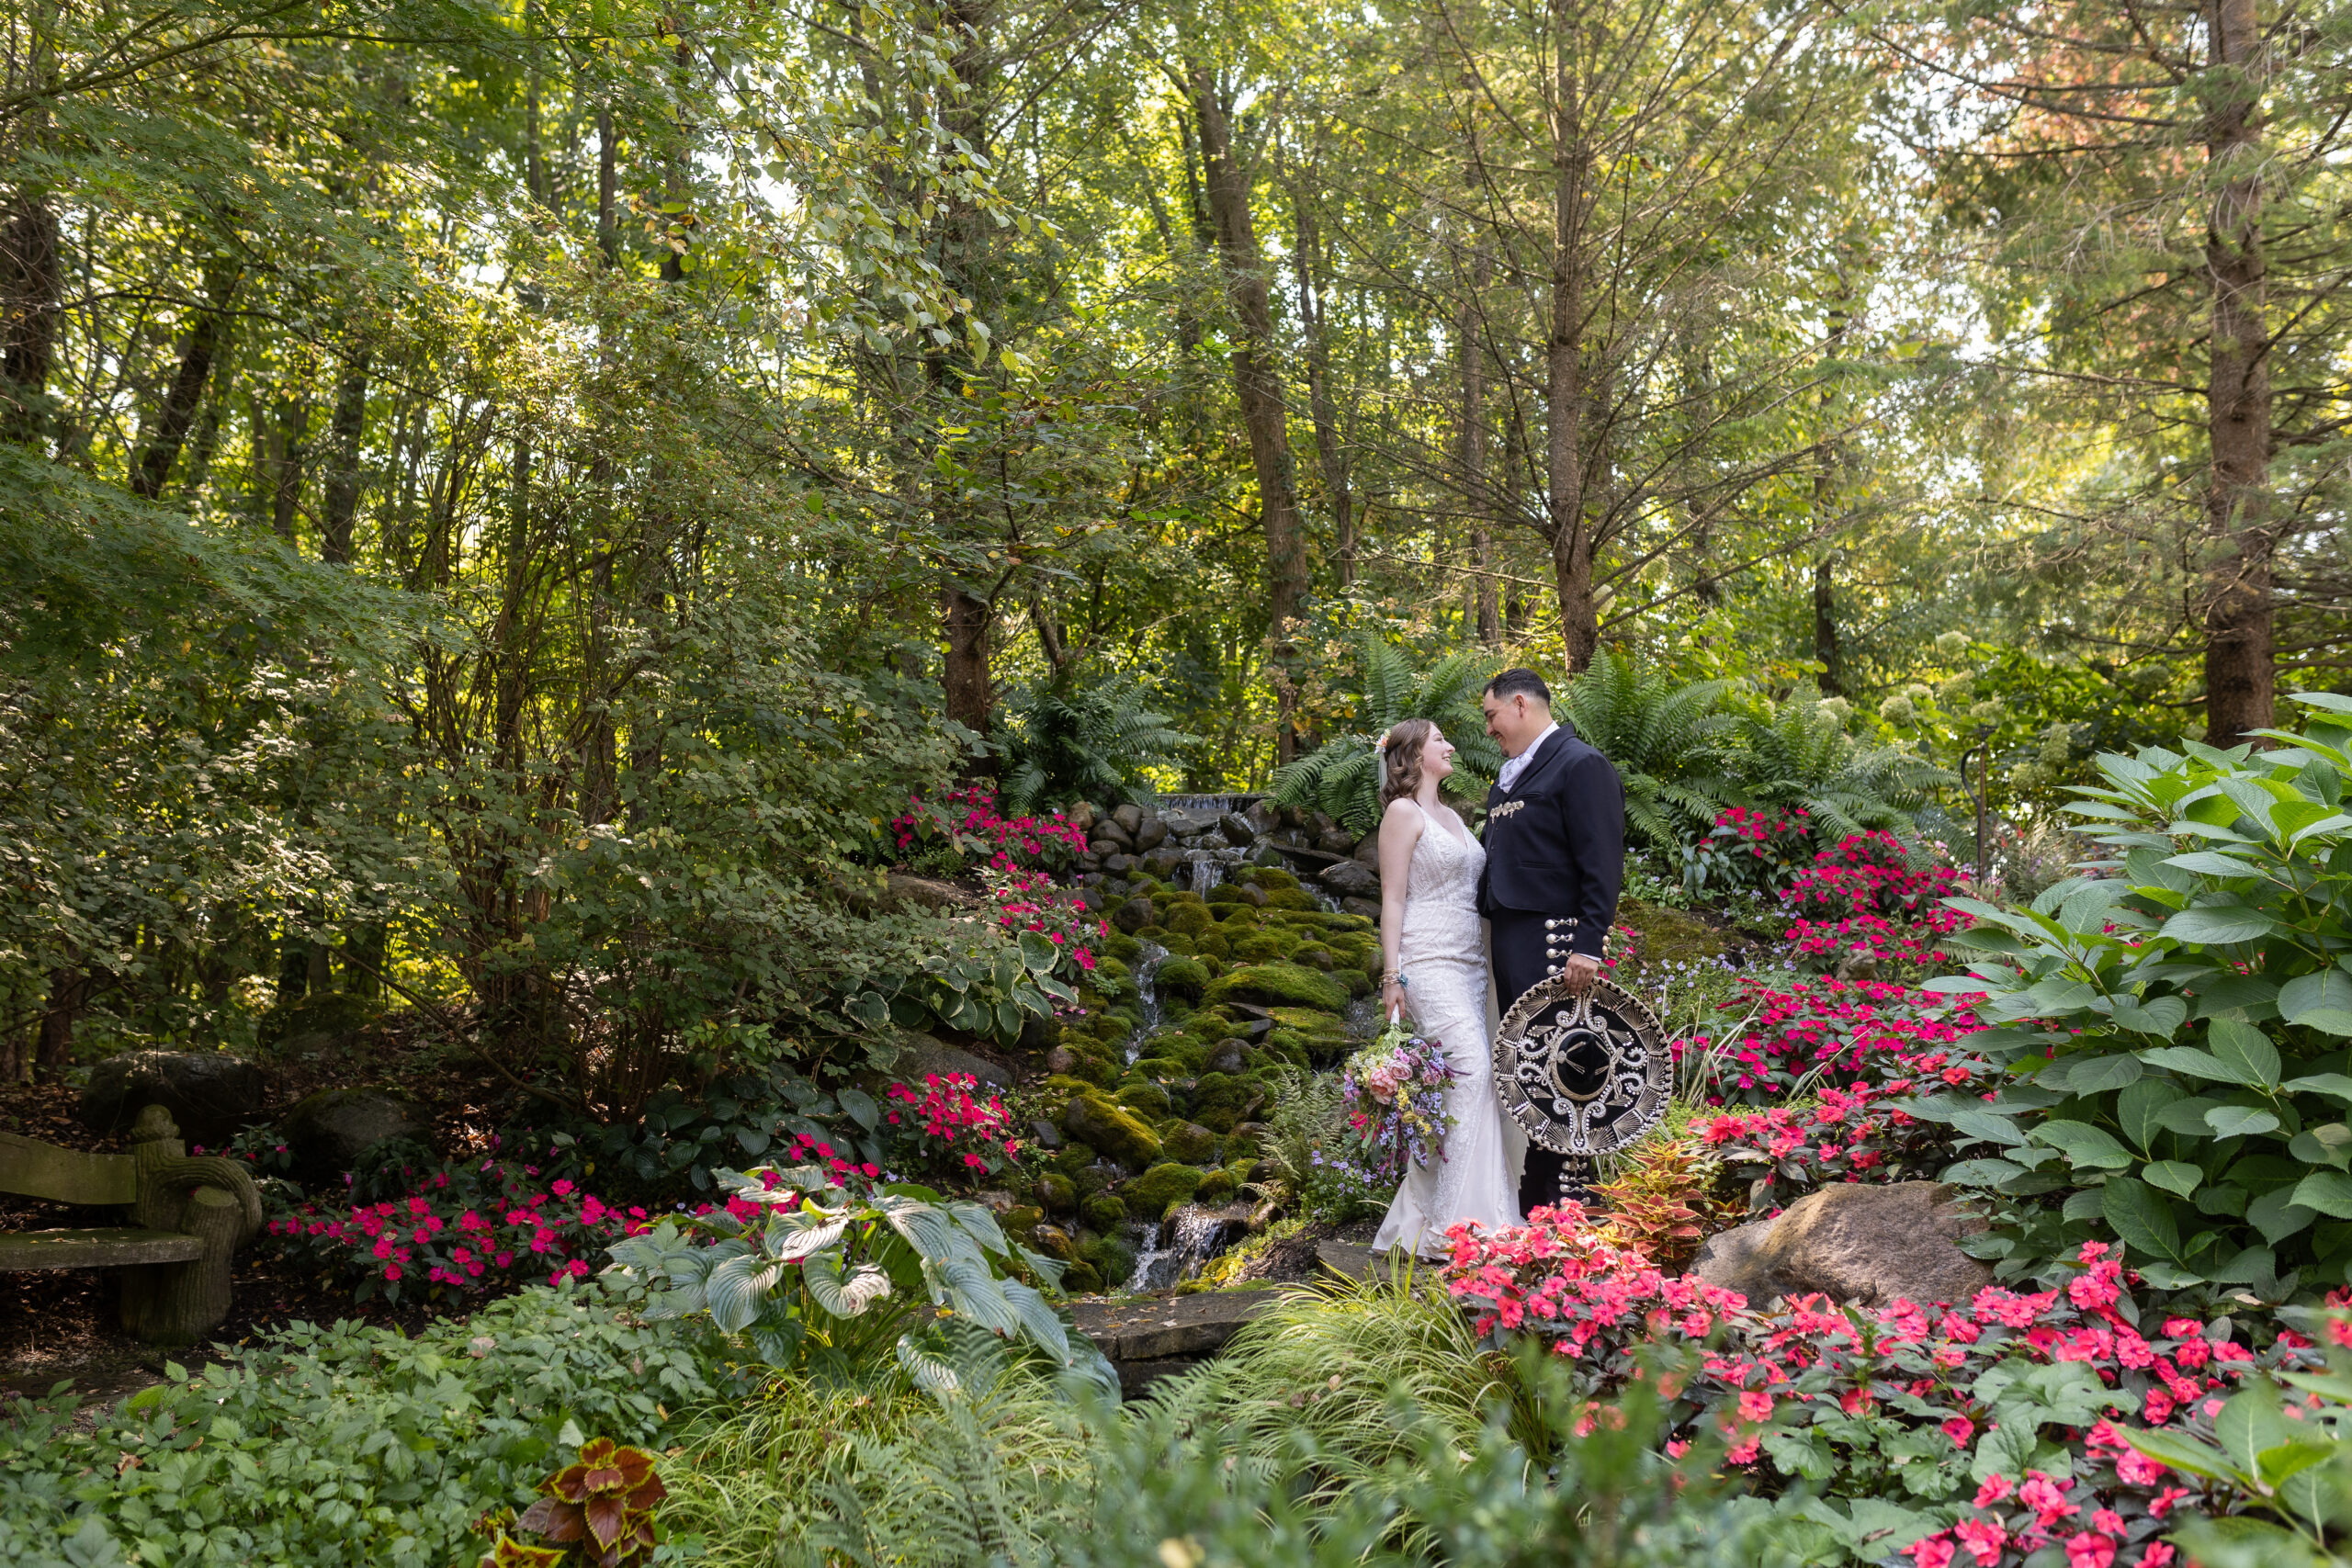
1315, 956
1279, 985
1090, 1180
1114, 1260
1145, 1097
1217, 1100
1177, 944
1271, 878
1113, 1129
1105, 1212
1160, 1188
1120, 946
1216, 1188
1190, 1143
1264, 946
1080, 1279
1054, 1242
1192, 920
1292, 898
1023, 1218
1182, 977
1071, 1160
1057, 1193
1214, 948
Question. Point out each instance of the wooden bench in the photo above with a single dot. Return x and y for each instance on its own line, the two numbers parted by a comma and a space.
187, 1215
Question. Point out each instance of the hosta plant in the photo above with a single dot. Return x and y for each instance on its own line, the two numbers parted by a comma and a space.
839, 1277
2175, 1030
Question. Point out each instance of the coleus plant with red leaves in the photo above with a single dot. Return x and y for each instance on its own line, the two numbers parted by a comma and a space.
599, 1507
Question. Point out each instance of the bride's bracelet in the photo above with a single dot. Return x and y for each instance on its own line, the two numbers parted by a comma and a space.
1395, 977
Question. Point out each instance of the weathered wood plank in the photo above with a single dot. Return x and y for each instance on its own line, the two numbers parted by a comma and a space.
25, 1250
65, 1176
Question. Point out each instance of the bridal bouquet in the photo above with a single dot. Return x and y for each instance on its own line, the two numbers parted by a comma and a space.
1395, 1093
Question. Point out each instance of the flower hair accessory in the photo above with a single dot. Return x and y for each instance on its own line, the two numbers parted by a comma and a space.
1380, 747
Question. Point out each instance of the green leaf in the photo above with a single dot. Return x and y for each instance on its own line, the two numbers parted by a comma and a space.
869, 1008
2276, 1215
2135, 1212
2321, 1002
2219, 925
2336, 1086
1038, 953
2159, 1015
2273, 1465
2101, 1075
2137, 1107
2240, 1122
861, 1108
2084, 1145
2189, 1059
2246, 1051
2174, 1176
1979, 1172
2328, 1191
2211, 862
2179, 1451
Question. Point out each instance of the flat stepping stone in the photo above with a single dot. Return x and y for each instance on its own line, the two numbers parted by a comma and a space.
1150, 1337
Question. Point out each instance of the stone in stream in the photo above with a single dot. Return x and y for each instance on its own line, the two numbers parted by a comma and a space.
1111, 1130
1862, 1244
1151, 1338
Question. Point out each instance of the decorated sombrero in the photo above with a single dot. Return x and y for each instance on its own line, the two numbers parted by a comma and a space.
1583, 1074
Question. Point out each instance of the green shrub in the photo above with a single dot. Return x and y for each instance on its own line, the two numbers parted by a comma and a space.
2176, 1033
352, 1443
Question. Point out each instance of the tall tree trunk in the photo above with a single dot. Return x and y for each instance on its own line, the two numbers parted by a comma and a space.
608, 230
1327, 452
1257, 384
2239, 654
287, 453
1471, 431
69, 996
198, 350
967, 620
1825, 649
344, 429
1572, 544
31, 276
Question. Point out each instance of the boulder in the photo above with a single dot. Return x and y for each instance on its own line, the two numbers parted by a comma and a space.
1111, 1130
1230, 1056
1164, 861
1336, 842
1190, 1143
1134, 914
1364, 908
1350, 879
907, 892
1185, 978
1118, 865
1128, 816
1867, 1246
1367, 849
327, 1132
1279, 985
1105, 1212
1109, 836
1044, 1133
1151, 833
1151, 1196
1237, 830
1263, 815
1054, 1242
1057, 1194
1081, 815
1062, 1061
924, 1055
210, 1093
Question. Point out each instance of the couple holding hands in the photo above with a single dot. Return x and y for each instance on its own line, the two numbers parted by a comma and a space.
1533, 897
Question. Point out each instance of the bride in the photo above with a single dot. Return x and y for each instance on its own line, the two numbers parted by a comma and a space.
1434, 968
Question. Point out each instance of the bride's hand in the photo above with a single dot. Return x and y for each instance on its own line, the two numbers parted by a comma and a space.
1391, 1001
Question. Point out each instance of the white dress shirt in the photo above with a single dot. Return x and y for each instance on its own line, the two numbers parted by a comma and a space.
1514, 767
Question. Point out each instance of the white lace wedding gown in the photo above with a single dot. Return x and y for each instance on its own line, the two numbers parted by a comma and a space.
1444, 957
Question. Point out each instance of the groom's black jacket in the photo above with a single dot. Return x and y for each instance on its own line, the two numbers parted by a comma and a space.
1555, 845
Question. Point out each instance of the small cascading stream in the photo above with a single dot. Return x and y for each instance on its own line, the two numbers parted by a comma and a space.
1146, 974
1174, 1251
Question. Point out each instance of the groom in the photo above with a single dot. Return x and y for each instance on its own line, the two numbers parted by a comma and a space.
1556, 857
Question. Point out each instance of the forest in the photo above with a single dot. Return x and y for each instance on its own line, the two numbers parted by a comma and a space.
688, 691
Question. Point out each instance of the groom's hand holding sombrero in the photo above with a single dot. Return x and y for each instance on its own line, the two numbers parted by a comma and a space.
1556, 859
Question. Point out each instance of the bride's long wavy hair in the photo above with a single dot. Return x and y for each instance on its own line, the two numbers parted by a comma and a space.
1400, 772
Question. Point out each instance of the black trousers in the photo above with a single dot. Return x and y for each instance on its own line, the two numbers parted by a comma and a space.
1527, 950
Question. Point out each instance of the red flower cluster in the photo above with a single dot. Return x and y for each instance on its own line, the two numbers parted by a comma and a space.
1842, 1396
493, 1229
1758, 850
962, 1129
1864, 895
1838, 1030
1029, 901
968, 819
1850, 1135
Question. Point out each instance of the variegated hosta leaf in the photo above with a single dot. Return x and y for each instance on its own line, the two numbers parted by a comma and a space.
1036, 1315
792, 1237
979, 1296
1049, 1269
935, 1375
934, 1236
977, 1219
737, 1290
843, 1297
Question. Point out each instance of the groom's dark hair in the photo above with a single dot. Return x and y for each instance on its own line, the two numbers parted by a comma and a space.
1517, 683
